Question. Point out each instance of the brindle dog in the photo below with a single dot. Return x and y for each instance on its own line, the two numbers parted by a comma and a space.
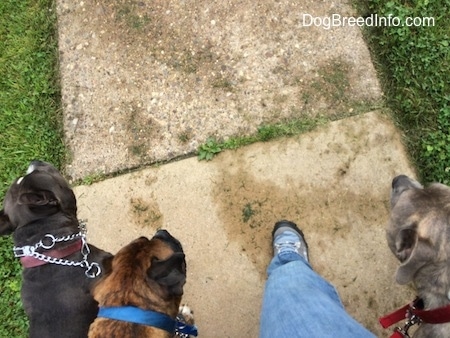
419, 236
40, 210
143, 280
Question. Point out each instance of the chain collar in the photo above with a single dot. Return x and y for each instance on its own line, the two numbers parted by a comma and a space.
92, 270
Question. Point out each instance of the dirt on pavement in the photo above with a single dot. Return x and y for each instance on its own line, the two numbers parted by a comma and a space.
334, 182
147, 81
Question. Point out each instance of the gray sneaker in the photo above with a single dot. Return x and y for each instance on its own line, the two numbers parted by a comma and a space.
287, 237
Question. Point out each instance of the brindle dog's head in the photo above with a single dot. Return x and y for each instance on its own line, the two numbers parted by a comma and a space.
148, 274
418, 227
42, 193
419, 236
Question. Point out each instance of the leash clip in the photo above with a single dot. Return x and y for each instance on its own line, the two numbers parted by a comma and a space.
411, 321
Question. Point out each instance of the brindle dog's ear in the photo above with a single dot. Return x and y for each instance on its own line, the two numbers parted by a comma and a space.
414, 252
6, 226
38, 198
170, 272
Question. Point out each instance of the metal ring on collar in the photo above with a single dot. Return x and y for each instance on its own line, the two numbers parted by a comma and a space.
53, 241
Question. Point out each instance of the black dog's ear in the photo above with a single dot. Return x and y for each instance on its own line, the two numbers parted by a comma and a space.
106, 264
38, 198
170, 273
6, 226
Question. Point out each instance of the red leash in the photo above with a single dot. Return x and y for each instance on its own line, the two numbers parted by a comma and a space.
414, 314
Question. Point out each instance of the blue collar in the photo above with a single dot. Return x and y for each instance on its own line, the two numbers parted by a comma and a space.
136, 315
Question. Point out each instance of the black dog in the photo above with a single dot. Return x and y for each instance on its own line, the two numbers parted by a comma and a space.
60, 268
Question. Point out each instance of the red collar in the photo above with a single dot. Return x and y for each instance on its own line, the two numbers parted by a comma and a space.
415, 308
31, 262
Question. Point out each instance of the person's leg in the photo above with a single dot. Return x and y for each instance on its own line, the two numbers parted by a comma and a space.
298, 302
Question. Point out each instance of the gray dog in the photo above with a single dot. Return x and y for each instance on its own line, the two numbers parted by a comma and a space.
419, 236
59, 266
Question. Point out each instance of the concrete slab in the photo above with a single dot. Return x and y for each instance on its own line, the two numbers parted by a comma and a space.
147, 81
334, 182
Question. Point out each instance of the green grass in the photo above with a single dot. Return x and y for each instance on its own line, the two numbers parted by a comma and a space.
414, 66
30, 126
265, 133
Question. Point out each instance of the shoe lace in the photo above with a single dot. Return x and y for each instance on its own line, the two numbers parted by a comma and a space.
288, 246
296, 247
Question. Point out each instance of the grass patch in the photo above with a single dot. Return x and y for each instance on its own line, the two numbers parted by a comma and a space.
30, 126
414, 65
265, 133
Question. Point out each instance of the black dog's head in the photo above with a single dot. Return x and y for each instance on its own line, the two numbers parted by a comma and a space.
40, 194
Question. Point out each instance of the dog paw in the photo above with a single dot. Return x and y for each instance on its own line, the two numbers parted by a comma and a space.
186, 315
186, 327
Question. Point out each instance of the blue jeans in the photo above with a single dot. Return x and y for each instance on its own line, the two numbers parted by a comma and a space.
299, 303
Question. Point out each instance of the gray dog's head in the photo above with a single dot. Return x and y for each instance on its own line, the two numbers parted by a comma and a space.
418, 228
38, 195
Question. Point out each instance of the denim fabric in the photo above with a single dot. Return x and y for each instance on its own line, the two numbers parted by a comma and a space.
299, 303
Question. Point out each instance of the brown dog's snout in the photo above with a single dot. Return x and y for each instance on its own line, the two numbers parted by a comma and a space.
165, 236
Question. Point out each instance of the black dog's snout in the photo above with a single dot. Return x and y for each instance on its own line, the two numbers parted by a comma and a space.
37, 162
34, 165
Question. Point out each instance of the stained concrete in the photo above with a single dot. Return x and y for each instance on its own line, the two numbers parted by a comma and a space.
147, 81
334, 182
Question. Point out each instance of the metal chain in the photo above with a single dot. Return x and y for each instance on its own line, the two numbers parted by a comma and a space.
92, 269
181, 334
182, 328
58, 261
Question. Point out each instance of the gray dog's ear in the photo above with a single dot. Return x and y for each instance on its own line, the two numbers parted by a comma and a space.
170, 272
414, 252
38, 198
6, 226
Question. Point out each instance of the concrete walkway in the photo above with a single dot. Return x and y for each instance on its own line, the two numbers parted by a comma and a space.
334, 182
149, 81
